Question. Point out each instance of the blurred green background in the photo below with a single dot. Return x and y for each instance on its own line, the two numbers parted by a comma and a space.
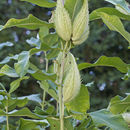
106, 82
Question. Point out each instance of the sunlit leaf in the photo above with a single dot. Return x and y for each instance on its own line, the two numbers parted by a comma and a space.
118, 106
42, 3
115, 62
81, 102
30, 22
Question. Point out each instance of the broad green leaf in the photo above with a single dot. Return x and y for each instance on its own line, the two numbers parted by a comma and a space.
105, 118
26, 124
8, 58
55, 123
9, 44
118, 106
43, 32
81, 102
40, 75
53, 53
127, 76
121, 5
42, 3
7, 70
50, 39
110, 11
114, 23
15, 84
22, 112
73, 7
22, 65
45, 86
1, 27
30, 22
115, 62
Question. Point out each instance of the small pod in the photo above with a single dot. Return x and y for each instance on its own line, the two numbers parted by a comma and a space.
62, 22
80, 26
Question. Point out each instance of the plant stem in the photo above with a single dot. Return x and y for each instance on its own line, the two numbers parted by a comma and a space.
60, 88
44, 93
7, 118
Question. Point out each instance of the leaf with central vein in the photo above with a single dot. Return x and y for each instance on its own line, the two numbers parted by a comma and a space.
105, 118
115, 62
115, 24
43, 3
30, 22
118, 106
7, 70
110, 11
23, 112
23, 63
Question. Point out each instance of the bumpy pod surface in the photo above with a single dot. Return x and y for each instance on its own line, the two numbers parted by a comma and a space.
71, 78
80, 26
62, 22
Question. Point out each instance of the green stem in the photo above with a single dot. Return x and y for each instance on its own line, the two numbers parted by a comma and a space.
44, 93
60, 88
7, 118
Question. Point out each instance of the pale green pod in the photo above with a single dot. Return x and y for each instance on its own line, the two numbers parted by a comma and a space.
71, 76
72, 81
62, 22
80, 25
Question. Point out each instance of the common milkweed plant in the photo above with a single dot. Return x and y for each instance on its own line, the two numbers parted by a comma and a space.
70, 20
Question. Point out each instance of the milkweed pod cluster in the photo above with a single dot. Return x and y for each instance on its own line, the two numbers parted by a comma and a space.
71, 77
62, 22
78, 30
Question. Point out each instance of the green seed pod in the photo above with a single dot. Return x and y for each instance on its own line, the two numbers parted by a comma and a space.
72, 82
80, 25
62, 22
71, 76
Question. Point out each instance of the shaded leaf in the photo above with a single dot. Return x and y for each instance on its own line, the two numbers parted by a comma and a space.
26, 124
81, 102
105, 118
117, 106
42, 3
15, 84
115, 62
